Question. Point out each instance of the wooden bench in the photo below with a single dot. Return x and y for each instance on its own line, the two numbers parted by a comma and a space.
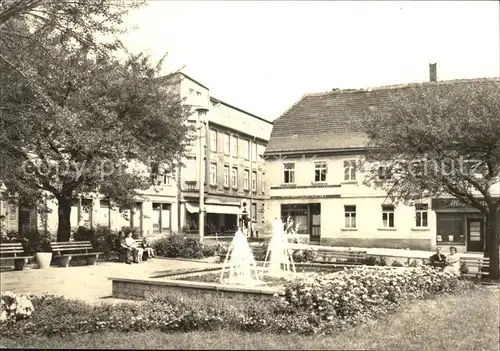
65, 251
14, 251
347, 256
352, 257
476, 262
138, 242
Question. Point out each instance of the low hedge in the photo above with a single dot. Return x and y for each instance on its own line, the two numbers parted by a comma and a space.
180, 246
321, 304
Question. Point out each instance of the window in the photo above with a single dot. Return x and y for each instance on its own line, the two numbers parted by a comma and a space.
350, 216
161, 217
254, 152
350, 170
103, 217
234, 177
213, 140
388, 216
213, 174
226, 176
226, 144
160, 175
167, 178
450, 227
245, 179
12, 212
320, 171
234, 146
164, 178
289, 173
198, 93
263, 184
254, 211
254, 181
246, 149
421, 215
191, 91
382, 172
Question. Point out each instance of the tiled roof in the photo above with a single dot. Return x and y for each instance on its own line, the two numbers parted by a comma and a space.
322, 121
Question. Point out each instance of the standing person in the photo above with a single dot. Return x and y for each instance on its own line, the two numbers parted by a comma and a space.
438, 259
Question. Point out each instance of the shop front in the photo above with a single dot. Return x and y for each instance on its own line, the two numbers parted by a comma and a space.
459, 225
219, 219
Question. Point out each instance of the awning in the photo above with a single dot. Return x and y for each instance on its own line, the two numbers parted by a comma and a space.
192, 208
221, 209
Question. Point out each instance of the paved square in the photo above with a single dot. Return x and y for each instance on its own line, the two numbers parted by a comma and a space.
88, 283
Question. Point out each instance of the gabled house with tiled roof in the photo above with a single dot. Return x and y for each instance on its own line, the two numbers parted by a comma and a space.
311, 173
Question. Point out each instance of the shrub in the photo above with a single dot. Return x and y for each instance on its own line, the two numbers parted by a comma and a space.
176, 245
35, 241
304, 256
221, 248
259, 254
209, 250
396, 264
415, 263
9, 236
370, 261
84, 234
14, 307
358, 294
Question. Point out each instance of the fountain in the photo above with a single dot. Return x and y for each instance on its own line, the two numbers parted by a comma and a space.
239, 262
278, 254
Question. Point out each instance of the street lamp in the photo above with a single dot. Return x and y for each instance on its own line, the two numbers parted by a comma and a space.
202, 112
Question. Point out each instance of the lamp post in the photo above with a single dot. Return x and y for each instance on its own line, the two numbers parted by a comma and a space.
202, 112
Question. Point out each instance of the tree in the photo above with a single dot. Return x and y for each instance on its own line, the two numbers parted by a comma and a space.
36, 27
438, 139
76, 119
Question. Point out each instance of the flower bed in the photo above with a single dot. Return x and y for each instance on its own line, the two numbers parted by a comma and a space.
215, 278
14, 307
316, 304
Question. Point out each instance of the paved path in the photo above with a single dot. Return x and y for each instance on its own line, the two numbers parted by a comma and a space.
89, 283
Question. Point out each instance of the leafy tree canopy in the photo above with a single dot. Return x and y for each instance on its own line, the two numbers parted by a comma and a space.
439, 139
75, 118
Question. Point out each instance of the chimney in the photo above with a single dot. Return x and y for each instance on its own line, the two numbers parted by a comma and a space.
433, 72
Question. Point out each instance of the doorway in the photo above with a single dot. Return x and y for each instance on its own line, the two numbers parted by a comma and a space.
315, 232
475, 235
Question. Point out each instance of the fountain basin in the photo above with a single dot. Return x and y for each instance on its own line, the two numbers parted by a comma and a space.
207, 282
140, 289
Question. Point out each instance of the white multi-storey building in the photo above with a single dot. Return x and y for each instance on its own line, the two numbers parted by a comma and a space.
312, 177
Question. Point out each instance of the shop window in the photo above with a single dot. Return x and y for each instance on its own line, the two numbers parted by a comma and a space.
450, 227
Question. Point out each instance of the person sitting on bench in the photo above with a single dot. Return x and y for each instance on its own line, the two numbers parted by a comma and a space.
147, 247
133, 253
438, 259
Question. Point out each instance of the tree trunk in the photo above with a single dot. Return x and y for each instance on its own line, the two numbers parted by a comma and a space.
64, 213
492, 242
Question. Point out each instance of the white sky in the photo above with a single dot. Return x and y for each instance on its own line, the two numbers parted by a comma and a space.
263, 56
